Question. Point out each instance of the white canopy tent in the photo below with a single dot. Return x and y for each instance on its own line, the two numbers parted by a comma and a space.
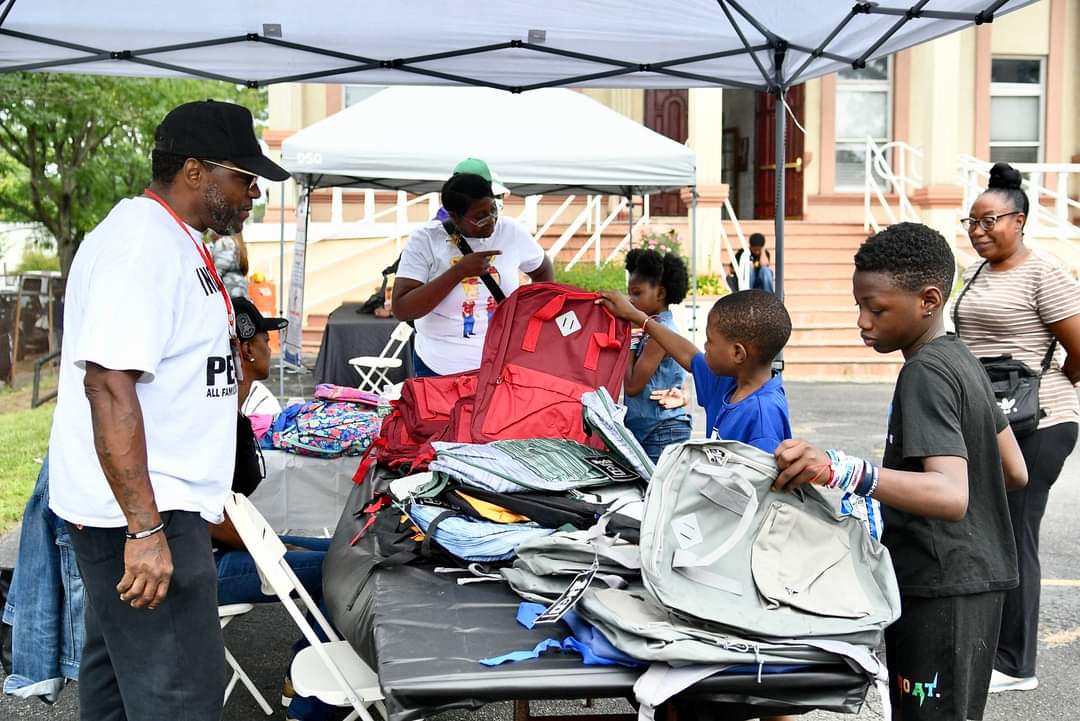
511, 45
551, 141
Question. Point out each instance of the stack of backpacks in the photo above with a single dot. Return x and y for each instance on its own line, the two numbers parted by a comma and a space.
523, 473
546, 345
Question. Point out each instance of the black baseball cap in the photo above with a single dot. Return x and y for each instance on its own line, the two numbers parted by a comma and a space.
211, 130
250, 321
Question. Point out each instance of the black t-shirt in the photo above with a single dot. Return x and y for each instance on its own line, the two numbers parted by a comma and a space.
943, 406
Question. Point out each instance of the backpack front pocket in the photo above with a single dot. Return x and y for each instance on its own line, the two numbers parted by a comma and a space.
805, 563
528, 403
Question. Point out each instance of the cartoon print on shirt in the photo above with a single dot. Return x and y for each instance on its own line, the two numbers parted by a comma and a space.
468, 315
491, 306
471, 287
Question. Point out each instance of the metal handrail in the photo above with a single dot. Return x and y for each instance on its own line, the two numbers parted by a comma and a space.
571, 230
596, 236
880, 177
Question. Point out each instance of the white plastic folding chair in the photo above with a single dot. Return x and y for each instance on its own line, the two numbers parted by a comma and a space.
331, 671
226, 614
372, 369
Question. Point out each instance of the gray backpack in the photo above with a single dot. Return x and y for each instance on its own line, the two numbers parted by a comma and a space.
719, 547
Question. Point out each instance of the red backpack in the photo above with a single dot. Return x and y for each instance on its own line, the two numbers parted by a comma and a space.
423, 411
545, 346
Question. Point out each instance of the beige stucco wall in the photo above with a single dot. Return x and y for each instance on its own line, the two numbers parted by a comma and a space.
1024, 32
1071, 99
625, 101
941, 105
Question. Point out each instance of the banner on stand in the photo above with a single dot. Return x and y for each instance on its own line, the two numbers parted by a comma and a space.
294, 334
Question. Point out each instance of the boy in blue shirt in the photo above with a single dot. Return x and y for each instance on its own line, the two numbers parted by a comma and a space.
742, 397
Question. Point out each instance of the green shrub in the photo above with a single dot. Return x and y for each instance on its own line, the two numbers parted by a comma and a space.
665, 243
714, 285
610, 276
34, 259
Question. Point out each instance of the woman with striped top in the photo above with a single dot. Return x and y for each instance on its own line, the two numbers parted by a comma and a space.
1018, 301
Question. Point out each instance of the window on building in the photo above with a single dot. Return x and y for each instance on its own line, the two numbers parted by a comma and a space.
1016, 110
355, 93
863, 109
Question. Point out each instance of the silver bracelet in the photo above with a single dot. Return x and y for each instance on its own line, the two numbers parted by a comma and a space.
139, 535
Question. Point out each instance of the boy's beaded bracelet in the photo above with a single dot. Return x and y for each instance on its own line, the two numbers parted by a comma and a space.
851, 474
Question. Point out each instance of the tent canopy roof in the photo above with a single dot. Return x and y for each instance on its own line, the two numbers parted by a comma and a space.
498, 43
545, 142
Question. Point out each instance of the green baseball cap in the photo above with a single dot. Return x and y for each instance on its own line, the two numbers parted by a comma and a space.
475, 166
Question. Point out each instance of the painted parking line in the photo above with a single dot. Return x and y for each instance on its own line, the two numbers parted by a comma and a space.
1061, 638
1069, 582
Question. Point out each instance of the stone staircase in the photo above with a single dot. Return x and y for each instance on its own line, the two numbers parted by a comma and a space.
825, 343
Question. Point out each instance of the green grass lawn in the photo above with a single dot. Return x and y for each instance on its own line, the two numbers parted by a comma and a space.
24, 436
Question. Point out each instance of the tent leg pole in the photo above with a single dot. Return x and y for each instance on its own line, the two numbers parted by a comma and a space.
630, 221
781, 161
281, 292
693, 263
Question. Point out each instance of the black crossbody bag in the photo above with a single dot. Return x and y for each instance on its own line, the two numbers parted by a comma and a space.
1015, 384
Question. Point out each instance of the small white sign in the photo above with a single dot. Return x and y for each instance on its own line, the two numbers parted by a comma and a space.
568, 323
687, 531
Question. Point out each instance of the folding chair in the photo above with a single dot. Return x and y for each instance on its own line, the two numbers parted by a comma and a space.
225, 615
331, 671
372, 369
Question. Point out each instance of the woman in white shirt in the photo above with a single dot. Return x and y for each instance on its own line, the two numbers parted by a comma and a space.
440, 288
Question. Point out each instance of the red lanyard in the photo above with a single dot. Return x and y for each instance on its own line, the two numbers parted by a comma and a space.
207, 260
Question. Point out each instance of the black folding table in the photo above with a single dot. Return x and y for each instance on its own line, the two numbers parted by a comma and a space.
424, 635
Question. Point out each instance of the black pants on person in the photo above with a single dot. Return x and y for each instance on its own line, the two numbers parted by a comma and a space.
143, 665
1044, 452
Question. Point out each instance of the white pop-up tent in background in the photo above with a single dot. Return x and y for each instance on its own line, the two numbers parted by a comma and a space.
546, 142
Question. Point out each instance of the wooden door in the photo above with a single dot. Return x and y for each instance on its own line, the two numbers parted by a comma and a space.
765, 157
667, 112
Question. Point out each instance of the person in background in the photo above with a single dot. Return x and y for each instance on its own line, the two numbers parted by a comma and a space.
949, 458
238, 576
475, 166
142, 444
760, 260
231, 260
656, 282
1017, 301
440, 288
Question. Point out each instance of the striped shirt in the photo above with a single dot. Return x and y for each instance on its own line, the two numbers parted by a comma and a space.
1007, 312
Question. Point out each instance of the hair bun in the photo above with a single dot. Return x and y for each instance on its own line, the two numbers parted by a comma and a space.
1004, 176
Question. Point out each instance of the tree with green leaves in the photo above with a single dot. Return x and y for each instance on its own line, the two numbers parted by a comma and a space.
72, 146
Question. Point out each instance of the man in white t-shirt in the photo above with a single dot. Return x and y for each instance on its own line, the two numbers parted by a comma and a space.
441, 289
142, 447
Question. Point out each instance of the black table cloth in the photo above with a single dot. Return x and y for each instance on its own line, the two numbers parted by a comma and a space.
424, 635
349, 334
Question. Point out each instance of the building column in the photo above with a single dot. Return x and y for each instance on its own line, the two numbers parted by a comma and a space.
705, 138
938, 201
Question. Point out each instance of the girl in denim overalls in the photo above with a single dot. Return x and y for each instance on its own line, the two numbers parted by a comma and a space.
656, 281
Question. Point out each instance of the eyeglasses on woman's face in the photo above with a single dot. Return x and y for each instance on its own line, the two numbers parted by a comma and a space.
987, 222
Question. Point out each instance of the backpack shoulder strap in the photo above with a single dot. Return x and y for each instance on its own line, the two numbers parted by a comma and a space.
1049, 357
956, 305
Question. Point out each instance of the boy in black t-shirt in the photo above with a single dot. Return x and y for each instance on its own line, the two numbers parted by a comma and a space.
949, 457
